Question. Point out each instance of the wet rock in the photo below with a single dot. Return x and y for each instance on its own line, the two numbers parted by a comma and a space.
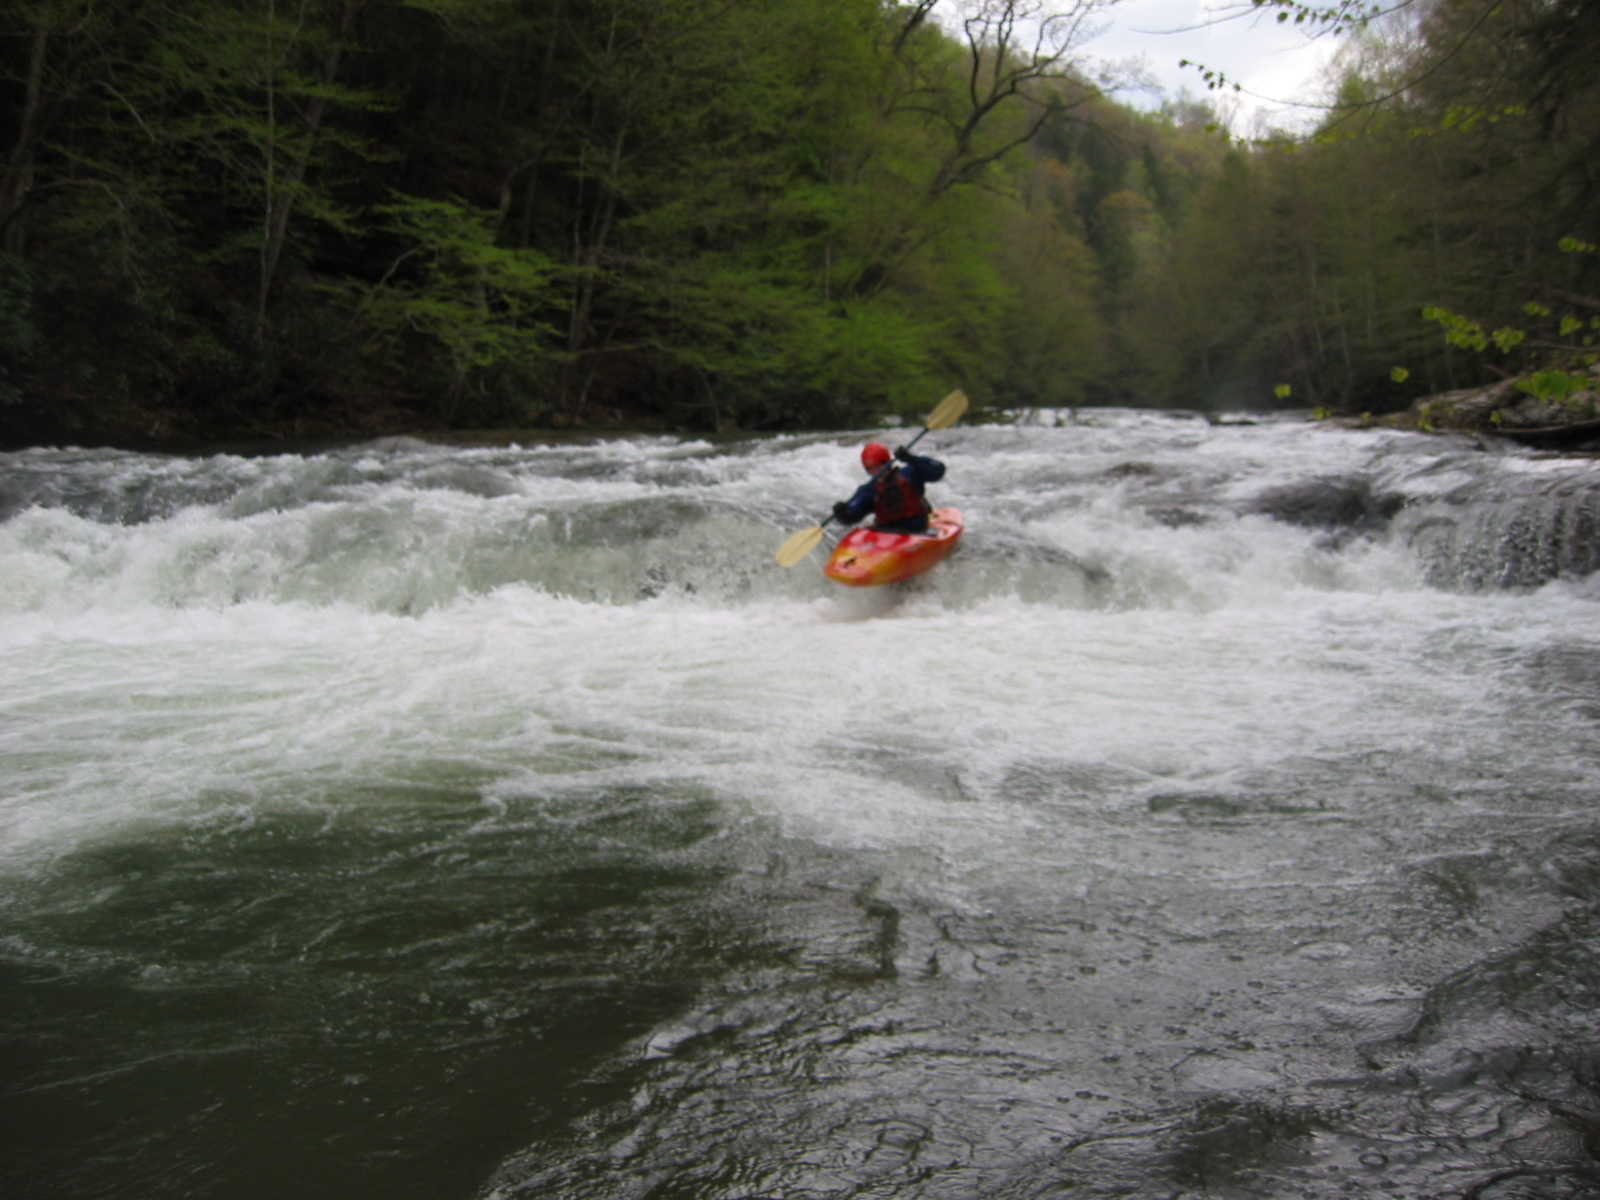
1179, 518
1329, 503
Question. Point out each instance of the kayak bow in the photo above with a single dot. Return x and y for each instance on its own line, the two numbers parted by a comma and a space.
868, 557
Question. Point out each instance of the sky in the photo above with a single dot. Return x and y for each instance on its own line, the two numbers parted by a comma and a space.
1273, 62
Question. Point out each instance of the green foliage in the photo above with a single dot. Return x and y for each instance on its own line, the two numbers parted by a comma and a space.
771, 213
1458, 330
1569, 341
1452, 164
483, 305
1554, 385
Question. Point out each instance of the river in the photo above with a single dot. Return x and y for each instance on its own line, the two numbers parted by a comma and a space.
412, 821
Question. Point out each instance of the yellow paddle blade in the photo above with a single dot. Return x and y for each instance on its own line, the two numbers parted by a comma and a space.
948, 412
798, 546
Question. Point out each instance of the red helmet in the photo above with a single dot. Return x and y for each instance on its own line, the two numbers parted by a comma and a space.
874, 455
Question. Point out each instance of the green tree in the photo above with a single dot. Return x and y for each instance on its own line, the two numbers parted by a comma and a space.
1051, 338
247, 91
455, 289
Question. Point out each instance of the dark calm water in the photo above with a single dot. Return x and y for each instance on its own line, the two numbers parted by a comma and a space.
1223, 820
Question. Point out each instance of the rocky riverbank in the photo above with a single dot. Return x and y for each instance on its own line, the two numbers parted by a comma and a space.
1508, 409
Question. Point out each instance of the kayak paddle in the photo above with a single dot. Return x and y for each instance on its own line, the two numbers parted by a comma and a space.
803, 543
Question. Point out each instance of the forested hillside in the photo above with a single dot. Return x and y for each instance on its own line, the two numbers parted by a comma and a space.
264, 217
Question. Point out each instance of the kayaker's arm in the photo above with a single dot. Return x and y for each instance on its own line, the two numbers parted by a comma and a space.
918, 468
850, 511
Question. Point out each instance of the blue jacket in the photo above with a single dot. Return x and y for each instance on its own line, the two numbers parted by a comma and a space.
916, 470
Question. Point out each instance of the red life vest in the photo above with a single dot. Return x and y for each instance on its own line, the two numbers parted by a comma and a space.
895, 498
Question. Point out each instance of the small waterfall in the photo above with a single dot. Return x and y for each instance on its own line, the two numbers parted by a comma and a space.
1484, 541
1475, 522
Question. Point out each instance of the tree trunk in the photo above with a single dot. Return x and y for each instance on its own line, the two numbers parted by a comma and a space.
587, 254
281, 200
18, 176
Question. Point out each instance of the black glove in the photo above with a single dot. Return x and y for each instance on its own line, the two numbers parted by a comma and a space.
902, 454
841, 512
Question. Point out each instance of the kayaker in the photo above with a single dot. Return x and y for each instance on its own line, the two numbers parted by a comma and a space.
893, 495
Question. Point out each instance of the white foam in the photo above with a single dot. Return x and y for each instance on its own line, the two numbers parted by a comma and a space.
206, 665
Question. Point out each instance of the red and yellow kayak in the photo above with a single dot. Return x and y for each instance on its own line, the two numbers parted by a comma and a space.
868, 557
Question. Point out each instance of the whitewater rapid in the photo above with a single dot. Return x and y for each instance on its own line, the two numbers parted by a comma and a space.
504, 821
